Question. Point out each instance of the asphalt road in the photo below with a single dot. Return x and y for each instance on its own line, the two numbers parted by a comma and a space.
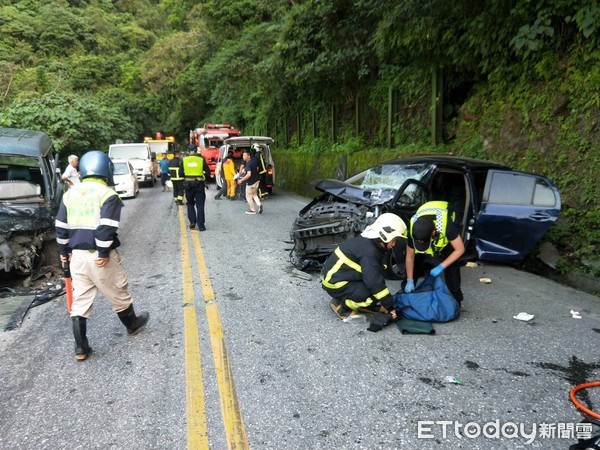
302, 378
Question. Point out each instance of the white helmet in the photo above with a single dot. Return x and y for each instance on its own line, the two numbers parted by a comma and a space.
387, 227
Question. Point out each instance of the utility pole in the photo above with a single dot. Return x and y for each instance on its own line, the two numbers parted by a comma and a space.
437, 95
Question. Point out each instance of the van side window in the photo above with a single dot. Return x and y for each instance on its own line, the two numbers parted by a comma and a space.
519, 189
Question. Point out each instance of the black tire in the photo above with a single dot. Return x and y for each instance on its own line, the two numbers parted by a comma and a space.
394, 261
49, 256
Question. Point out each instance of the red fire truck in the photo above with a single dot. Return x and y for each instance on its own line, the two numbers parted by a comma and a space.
209, 139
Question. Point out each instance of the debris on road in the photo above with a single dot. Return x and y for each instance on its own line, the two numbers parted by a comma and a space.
485, 280
523, 316
452, 380
303, 275
471, 264
575, 314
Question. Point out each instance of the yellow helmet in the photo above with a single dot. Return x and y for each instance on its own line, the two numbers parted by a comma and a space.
388, 226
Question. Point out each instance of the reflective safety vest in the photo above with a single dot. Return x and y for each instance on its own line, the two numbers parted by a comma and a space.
83, 206
174, 169
440, 210
262, 167
88, 218
193, 167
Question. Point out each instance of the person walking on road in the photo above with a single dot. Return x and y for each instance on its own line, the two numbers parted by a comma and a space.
71, 175
176, 177
86, 233
434, 244
195, 171
252, 180
164, 171
354, 274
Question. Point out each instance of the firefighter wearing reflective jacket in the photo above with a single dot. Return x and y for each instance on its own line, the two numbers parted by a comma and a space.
354, 273
176, 177
195, 170
86, 232
434, 244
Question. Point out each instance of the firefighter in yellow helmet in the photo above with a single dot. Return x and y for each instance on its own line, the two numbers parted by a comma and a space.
354, 273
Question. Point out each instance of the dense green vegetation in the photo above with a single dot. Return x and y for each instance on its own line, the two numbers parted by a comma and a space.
521, 80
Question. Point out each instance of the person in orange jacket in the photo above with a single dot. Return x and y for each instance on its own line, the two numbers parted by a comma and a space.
229, 173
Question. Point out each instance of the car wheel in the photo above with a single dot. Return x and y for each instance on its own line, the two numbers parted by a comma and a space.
50, 255
394, 262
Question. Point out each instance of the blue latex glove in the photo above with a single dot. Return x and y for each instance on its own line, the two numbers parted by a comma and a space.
410, 286
436, 271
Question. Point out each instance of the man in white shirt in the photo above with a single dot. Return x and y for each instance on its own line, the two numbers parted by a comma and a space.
71, 175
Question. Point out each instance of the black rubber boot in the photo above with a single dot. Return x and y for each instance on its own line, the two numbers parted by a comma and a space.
82, 348
131, 321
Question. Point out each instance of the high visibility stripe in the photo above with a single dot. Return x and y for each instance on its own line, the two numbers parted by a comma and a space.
110, 222
59, 224
355, 305
103, 244
383, 293
62, 241
342, 259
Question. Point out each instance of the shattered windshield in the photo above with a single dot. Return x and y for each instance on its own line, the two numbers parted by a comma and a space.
383, 181
20, 177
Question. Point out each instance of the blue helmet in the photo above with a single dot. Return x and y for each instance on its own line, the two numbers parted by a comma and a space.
97, 164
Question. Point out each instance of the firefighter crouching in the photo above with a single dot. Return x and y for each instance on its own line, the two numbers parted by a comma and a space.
354, 274
86, 233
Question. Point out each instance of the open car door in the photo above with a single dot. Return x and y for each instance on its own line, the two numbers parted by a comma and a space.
516, 210
410, 196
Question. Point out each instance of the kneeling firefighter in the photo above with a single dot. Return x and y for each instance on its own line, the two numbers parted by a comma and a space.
354, 273
86, 233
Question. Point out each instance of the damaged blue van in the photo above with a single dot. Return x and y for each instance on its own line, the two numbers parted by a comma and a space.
501, 213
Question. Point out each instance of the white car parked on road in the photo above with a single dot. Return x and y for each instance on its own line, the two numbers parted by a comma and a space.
126, 183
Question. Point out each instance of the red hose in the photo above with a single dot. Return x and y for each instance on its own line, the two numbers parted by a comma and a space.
578, 404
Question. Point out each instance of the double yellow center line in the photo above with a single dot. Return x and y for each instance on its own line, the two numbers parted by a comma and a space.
197, 432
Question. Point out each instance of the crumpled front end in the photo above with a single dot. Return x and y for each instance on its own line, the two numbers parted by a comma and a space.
320, 228
23, 234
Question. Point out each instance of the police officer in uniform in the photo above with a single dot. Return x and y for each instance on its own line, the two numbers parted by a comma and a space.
354, 274
195, 170
176, 177
86, 233
434, 244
